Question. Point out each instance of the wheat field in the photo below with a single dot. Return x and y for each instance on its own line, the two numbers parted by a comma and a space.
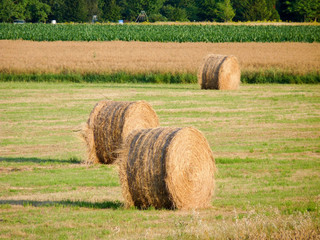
136, 57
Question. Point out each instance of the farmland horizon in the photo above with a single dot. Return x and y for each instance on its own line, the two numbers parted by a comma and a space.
264, 137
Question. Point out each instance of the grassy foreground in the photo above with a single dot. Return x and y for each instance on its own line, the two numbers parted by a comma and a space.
265, 139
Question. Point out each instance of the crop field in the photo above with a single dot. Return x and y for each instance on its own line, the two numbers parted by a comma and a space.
140, 57
161, 33
265, 140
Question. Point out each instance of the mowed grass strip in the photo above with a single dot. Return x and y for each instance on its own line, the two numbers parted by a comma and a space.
265, 139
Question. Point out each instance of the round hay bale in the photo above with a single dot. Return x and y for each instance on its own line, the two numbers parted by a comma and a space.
167, 168
219, 72
110, 122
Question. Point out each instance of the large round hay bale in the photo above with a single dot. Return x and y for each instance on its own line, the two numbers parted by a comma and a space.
219, 72
110, 122
167, 168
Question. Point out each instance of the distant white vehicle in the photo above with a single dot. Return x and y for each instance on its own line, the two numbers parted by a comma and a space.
94, 18
19, 21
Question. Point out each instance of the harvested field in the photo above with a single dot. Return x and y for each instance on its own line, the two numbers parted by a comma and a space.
105, 57
264, 138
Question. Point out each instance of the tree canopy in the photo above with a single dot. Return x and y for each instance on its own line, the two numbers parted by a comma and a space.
159, 10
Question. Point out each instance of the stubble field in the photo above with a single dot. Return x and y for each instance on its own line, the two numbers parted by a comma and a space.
265, 140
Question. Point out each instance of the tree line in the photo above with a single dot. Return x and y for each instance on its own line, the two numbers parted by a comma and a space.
160, 10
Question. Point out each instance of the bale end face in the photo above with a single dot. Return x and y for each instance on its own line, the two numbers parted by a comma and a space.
167, 168
219, 72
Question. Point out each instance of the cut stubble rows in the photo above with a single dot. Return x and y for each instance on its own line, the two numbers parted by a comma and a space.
265, 140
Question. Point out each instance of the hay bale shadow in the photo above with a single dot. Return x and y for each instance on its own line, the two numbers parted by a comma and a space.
39, 160
65, 203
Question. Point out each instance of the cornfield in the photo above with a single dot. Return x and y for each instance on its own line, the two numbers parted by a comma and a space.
161, 33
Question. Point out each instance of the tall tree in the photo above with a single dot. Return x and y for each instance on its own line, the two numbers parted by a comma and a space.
110, 10
29, 10
76, 11
225, 11
92, 8
174, 13
207, 10
36, 11
282, 8
254, 10
8, 11
188, 8
307, 10
57, 9
191, 8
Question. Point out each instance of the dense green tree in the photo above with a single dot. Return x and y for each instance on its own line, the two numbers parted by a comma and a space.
272, 6
207, 10
159, 10
157, 17
36, 11
174, 13
225, 11
57, 10
29, 10
254, 10
110, 10
76, 11
92, 8
191, 8
282, 9
184, 7
8, 11
306, 10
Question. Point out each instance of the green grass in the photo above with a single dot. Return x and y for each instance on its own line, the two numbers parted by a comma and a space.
160, 33
265, 139
260, 77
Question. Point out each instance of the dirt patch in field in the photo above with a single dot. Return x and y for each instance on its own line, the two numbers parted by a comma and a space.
103, 57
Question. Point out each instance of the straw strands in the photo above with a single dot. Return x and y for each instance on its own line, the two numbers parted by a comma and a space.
167, 168
110, 122
219, 72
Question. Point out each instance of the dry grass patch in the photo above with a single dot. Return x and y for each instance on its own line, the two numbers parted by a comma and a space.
252, 226
104, 57
299, 175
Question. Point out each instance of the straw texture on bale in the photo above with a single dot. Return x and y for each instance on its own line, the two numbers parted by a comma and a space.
167, 168
219, 72
110, 122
